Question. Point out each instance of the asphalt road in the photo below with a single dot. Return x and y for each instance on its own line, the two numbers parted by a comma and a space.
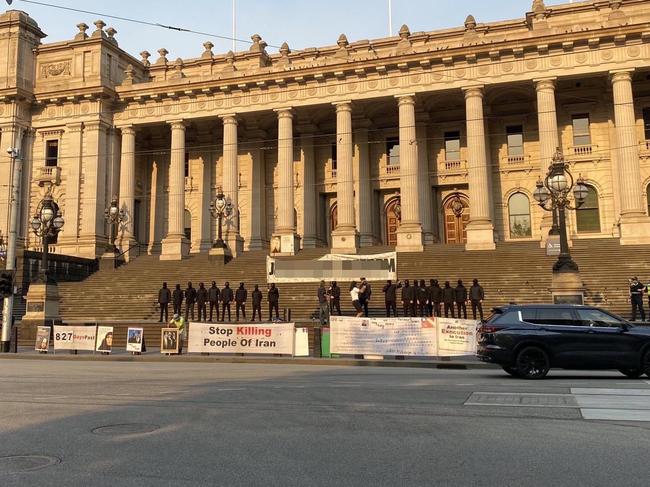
191, 424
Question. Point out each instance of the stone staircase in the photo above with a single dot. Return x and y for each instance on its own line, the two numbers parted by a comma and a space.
518, 272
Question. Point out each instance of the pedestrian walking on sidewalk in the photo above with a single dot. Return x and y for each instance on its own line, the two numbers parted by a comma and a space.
476, 296
164, 297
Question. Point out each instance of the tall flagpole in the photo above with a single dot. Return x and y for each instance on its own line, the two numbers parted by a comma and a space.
390, 18
234, 26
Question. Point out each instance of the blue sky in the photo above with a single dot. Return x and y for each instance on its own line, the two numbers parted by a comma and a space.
300, 23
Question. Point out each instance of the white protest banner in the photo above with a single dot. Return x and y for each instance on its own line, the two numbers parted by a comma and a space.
383, 336
134, 339
456, 337
75, 337
259, 338
302, 342
104, 341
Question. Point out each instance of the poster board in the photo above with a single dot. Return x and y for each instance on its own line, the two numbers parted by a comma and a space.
456, 337
42, 343
104, 342
81, 337
169, 340
134, 339
262, 338
301, 348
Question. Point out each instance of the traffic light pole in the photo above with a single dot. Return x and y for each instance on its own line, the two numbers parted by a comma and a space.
7, 310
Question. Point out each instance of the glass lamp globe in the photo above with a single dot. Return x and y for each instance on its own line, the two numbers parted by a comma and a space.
558, 183
220, 204
35, 224
47, 214
580, 192
541, 194
113, 210
58, 222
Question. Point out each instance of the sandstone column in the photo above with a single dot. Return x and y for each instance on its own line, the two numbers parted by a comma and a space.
310, 229
175, 246
92, 239
480, 231
344, 236
26, 191
125, 236
285, 238
409, 233
230, 184
634, 223
257, 193
426, 209
364, 225
74, 138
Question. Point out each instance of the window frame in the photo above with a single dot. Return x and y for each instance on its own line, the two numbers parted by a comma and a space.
510, 131
645, 116
449, 136
510, 217
49, 159
392, 160
595, 209
577, 134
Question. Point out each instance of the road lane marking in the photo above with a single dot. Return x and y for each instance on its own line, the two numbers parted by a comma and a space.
612, 392
616, 414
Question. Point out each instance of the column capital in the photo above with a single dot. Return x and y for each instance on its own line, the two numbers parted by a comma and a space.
476, 91
177, 124
343, 106
284, 112
621, 75
96, 125
406, 99
545, 83
127, 130
74, 127
229, 118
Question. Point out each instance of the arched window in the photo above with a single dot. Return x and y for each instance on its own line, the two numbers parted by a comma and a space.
587, 216
519, 210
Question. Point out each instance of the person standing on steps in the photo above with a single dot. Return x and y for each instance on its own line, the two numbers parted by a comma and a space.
226, 299
240, 300
448, 298
323, 304
213, 297
256, 297
436, 297
390, 297
164, 297
201, 300
407, 298
461, 299
177, 299
364, 295
476, 296
274, 301
355, 291
190, 300
423, 298
636, 298
335, 298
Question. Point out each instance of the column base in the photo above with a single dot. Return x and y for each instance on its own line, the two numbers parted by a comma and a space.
175, 247
129, 247
235, 244
409, 238
310, 242
428, 238
285, 244
219, 255
567, 288
256, 243
42, 304
107, 261
635, 229
368, 240
480, 236
345, 241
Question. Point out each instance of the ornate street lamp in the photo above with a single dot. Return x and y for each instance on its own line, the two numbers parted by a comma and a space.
220, 207
553, 194
46, 224
114, 215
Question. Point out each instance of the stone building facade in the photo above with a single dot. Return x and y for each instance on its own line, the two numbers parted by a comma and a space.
419, 138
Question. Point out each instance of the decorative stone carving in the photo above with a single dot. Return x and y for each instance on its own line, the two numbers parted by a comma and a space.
82, 32
616, 16
256, 46
59, 68
343, 44
111, 35
470, 23
540, 13
207, 53
163, 56
178, 69
404, 44
128, 75
259, 47
284, 55
230, 63
145, 58
99, 32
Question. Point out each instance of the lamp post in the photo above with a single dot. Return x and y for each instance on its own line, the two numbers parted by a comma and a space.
46, 224
220, 207
113, 215
553, 193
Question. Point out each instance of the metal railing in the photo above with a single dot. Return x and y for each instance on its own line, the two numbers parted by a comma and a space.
583, 150
392, 169
49, 174
119, 258
456, 165
516, 159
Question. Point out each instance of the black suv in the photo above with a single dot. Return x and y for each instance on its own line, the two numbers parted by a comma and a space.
527, 340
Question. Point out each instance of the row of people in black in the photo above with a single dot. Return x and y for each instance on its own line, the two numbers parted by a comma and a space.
216, 298
418, 299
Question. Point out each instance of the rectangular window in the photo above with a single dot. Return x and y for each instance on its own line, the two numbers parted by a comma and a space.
334, 161
52, 153
646, 123
452, 146
187, 164
581, 135
515, 135
392, 150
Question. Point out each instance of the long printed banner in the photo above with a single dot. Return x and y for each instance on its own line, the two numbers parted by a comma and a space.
259, 338
414, 337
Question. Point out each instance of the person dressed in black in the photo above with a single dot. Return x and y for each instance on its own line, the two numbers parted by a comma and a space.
407, 298
390, 297
213, 298
273, 297
364, 295
256, 297
476, 297
461, 299
226, 299
636, 298
334, 293
240, 300
448, 298
423, 298
201, 301
435, 297
177, 299
164, 297
190, 300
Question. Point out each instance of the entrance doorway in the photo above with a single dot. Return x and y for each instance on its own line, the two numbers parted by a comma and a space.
456, 215
393, 215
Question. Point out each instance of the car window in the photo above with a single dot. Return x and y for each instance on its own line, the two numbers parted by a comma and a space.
510, 317
528, 314
556, 316
596, 317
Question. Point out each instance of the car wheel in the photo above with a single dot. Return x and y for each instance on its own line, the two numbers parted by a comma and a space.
510, 370
631, 373
532, 363
645, 365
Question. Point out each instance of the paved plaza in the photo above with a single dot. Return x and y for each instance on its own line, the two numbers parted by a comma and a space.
74, 423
